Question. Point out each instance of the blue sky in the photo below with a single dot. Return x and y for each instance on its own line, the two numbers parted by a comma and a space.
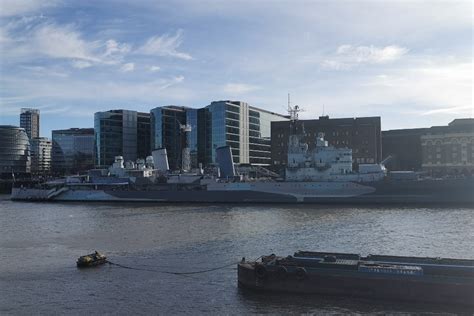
409, 62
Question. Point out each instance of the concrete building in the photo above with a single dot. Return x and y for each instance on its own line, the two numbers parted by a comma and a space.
14, 151
30, 121
362, 135
73, 150
40, 155
246, 129
449, 150
121, 133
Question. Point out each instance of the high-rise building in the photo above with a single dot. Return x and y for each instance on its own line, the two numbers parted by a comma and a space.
73, 150
121, 133
30, 121
40, 155
361, 134
246, 129
14, 151
166, 131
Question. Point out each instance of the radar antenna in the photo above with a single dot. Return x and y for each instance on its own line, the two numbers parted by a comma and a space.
293, 110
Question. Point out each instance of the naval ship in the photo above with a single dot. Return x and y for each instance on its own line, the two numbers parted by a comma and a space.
321, 175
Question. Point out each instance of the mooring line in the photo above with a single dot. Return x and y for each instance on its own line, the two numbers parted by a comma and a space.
172, 272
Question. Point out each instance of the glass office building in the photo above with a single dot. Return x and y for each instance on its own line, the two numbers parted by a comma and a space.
121, 133
192, 136
14, 150
73, 150
166, 132
246, 129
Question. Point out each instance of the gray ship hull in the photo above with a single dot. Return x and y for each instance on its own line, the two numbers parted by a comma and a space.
452, 191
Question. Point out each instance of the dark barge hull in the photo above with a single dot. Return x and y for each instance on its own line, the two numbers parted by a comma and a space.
427, 289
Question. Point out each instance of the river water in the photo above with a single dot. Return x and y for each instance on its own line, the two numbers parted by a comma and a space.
40, 242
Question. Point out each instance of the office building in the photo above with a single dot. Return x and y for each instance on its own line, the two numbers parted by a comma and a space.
246, 129
14, 151
362, 135
121, 133
40, 155
449, 150
73, 150
30, 121
167, 131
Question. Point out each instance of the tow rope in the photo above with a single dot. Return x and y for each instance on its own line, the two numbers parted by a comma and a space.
172, 272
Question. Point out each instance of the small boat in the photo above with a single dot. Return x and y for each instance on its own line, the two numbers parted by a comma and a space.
91, 260
416, 279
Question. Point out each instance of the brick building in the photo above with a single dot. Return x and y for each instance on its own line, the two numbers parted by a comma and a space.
362, 135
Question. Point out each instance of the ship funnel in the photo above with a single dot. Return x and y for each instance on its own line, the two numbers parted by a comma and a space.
160, 159
225, 162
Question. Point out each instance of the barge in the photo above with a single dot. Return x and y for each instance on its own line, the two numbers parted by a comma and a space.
416, 279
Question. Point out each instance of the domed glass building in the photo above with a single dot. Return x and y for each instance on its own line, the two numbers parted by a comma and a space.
14, 150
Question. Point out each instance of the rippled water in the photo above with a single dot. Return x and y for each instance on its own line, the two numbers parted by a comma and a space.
39, 243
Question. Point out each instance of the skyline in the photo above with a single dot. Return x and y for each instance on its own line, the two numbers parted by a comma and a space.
410, 63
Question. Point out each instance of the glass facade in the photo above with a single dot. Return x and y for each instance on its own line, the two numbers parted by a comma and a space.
244, 128
73, 150
166, 132
218, 113
14, 150
192, 136
121, 133
204, 129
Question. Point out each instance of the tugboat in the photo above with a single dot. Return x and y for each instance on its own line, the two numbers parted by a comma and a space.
430, 280
91, 260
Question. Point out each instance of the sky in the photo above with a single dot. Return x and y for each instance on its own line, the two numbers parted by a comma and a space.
410, 62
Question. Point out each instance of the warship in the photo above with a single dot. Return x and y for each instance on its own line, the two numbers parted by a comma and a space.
322, 175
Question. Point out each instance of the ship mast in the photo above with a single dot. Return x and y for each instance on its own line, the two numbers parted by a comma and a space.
293, 110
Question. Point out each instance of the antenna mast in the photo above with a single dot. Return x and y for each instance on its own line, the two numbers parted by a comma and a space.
293, 110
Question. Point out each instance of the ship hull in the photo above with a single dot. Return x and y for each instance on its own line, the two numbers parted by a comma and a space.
429, 289
454, 191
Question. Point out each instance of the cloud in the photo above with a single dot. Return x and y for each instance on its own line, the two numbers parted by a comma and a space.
19, 7
239, 88
154, 68
348, 56
87, 91
63, 42
81, 64
160, 85
458, 110
56, 41
115, 52
164, 45
127, 67
42, 72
